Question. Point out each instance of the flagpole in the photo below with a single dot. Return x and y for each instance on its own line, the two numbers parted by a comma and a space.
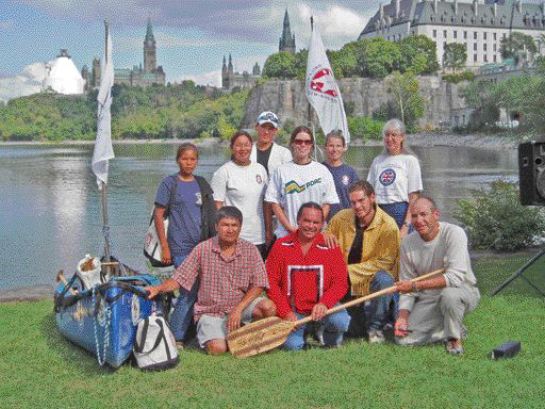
103, 187
309, 107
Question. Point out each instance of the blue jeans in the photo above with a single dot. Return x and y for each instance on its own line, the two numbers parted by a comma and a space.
378, 311
334, 326
181, 317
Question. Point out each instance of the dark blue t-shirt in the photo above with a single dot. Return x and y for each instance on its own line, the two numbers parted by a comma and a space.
343, 176
184, 229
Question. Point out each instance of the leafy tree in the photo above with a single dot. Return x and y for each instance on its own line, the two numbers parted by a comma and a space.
365, 127
519, 46
418, 54
301, 58
479, 96
454, 56
379, 57
495, 219
343, 62
280, 65
406, 98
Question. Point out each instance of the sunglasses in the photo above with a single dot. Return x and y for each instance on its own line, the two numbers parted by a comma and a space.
301, 142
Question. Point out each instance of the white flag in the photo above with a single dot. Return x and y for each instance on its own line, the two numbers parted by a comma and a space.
322, 90
103, 145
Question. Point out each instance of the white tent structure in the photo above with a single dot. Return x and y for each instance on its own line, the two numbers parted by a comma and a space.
63, 76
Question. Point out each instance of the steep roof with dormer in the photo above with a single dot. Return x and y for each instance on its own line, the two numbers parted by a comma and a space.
515, 15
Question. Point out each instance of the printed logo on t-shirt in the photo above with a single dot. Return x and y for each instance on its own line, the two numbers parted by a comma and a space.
387, 177
198, 202
345, 180
258, 179
293, 187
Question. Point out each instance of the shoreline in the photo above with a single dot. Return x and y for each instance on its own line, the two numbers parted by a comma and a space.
421, 139
43, 292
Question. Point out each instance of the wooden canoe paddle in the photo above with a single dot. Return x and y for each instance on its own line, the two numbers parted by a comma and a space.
269, 333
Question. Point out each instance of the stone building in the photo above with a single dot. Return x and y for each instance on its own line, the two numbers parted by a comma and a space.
231, 79
479, 26
287, 41
137, 76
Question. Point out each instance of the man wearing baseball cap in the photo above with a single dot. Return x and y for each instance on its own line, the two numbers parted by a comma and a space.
271, 155
265, 151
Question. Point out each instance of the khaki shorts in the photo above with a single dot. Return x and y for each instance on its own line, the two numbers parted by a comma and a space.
210, 327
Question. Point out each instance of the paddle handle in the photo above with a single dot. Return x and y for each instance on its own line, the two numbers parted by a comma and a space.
60, 277
360, 300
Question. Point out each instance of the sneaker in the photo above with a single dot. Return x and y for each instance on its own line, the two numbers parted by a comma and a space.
376, 336
179, 345
454, 347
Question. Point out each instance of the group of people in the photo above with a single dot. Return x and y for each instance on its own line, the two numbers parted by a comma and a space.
279, 234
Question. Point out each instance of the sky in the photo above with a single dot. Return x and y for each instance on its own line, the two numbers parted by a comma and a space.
192, 35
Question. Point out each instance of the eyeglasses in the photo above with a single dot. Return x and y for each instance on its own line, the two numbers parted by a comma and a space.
301, 142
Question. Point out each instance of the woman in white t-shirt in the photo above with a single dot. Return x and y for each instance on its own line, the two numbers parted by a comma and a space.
395, 175
241, 183
300, 181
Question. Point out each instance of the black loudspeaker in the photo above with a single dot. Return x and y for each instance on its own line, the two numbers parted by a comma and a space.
532, 173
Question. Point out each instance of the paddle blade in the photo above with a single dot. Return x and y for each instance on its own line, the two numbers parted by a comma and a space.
258, 337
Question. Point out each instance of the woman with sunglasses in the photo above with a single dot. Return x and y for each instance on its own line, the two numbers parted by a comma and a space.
395, 175
300, 181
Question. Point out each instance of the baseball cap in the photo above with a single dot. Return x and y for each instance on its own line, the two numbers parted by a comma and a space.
268, 117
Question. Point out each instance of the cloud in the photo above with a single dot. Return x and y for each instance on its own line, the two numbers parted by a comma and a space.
338, 25
212, 78
248, 20
26, 83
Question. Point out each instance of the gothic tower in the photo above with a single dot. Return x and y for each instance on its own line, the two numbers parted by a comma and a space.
150, 57
224, 75
231, 71
287, 41
256, 70
95, 72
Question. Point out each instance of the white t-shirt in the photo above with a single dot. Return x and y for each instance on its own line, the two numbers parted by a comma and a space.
292, 185
244, 188
394, 177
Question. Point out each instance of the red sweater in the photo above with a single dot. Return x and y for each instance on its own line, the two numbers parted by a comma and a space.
297, 282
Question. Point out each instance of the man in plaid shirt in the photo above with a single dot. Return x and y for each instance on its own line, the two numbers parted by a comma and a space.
232, 278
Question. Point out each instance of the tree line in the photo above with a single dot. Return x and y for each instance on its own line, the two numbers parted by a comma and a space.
372, 58
174, 111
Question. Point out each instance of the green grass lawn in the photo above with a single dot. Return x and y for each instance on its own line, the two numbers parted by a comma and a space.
40, 369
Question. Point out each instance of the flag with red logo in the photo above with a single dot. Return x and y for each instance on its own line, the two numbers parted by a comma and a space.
322, 90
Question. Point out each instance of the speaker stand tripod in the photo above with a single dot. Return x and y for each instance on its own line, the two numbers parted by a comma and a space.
520, 273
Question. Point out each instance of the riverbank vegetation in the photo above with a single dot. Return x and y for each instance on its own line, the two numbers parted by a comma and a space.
515, 103
175, 111
39, 368
496, 220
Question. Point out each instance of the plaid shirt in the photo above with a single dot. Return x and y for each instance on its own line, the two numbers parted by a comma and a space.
223, 281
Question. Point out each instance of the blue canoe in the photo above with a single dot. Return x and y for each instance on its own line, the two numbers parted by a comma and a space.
103, 320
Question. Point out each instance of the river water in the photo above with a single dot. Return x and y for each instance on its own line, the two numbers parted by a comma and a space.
50, 206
